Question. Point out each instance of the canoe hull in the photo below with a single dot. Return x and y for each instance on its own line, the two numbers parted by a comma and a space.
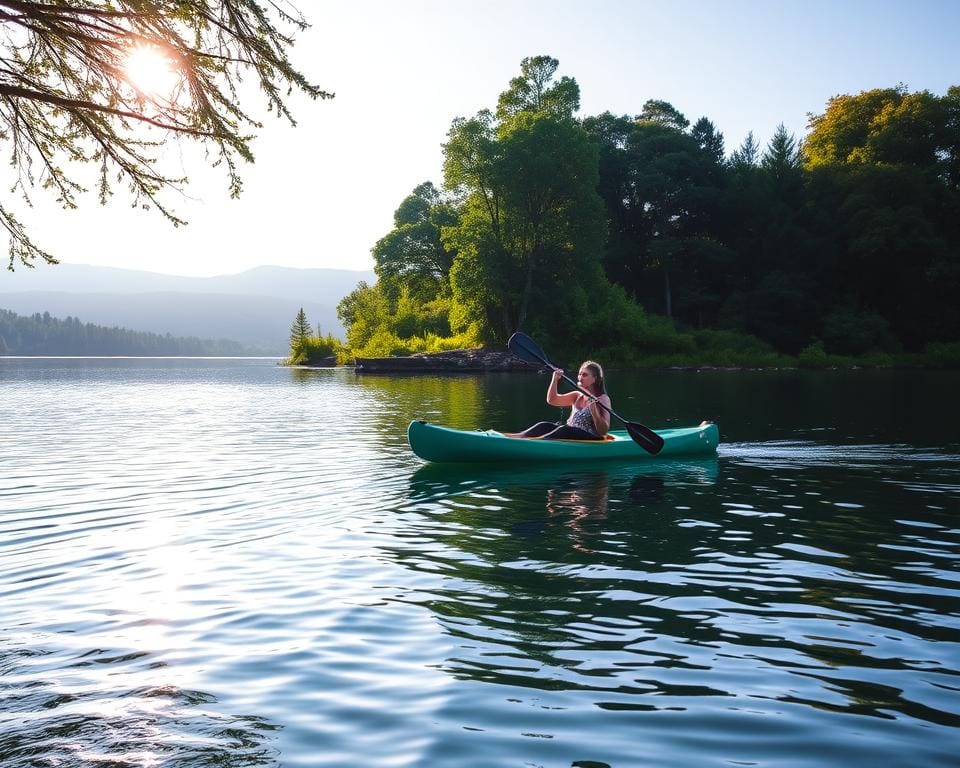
442, 444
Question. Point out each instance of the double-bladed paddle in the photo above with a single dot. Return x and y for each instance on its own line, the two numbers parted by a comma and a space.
527, 349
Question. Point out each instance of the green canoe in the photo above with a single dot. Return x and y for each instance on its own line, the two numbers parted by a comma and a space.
442, 444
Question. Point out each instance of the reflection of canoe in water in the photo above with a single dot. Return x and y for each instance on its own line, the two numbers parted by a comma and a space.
442, 444
440, 480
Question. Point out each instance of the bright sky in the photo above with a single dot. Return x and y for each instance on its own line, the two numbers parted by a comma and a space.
321, 194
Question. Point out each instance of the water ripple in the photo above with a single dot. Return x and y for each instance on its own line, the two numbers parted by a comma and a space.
198, 569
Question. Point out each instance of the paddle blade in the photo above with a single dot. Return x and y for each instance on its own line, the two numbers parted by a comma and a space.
645, 437
526, 349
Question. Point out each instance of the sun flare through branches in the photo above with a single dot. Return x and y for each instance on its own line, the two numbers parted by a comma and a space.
151, 71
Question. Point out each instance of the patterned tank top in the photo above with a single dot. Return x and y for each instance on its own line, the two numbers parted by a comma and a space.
581, 417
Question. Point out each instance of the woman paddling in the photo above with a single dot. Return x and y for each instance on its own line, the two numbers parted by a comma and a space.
588, 420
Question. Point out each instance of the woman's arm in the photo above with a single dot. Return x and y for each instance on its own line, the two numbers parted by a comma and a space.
601, 417
554, 397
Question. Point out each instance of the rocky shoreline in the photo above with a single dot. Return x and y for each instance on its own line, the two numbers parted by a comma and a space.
502, 361
456, 361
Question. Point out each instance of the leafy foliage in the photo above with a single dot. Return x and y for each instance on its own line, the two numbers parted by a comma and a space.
378, 325
747, 155
884, 125
299, 331
318, 350
309, 349
534, 92
664, 114
532, 223
634, 239
67, 97
412, 255
662, 194
849, 332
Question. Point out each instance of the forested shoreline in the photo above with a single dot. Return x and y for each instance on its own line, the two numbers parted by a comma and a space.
41, 334
640, 240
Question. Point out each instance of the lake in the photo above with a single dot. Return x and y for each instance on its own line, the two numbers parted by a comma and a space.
230, 563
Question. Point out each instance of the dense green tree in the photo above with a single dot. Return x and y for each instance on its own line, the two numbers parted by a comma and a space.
747, 154
744, 203
309, 349
377, 326
661, 186
775, 292
362, 311
893, 258
663, 113
710, 140
609, 132
412, 255
299, 332
783, 163
846, 244
951, 149
535, 90
786, 244
782, 308
881, 184
67, 95
663, 170
531, 223
884, 125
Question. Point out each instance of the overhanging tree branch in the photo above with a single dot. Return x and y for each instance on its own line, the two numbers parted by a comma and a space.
13, 92
65, 91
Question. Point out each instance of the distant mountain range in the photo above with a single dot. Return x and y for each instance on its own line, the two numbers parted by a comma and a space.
254, 308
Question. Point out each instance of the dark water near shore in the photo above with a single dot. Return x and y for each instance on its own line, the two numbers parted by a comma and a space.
228, 563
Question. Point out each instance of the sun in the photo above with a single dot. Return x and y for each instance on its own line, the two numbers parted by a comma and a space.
150, 71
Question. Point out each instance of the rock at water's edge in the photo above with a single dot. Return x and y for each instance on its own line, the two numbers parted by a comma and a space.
457, 361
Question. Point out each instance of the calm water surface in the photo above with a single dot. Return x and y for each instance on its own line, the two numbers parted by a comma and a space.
228, 563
